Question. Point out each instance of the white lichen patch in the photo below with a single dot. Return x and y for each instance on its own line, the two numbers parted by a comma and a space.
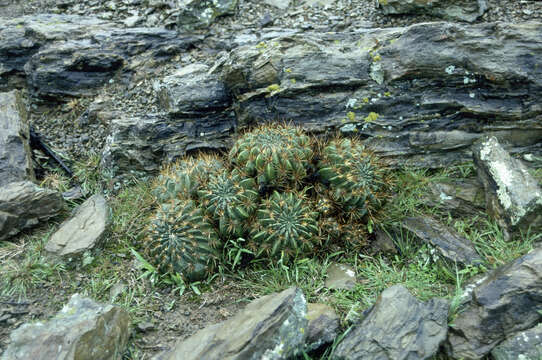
450, 70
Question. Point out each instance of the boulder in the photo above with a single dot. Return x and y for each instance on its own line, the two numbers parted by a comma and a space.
200, 14
524, 345
137, 145
70, 55
505, 302
82, 231
15, 153
271, 327
407, 91
23, 204
462, 10
397, 327
83, 330
446, 241
513, 196
323, 326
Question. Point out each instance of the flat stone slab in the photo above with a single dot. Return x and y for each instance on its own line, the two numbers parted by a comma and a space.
340, 276
513, 196
270, 327
83, 230
15, 153
23, 204
505, 302
447, 241
82, 330
398, 327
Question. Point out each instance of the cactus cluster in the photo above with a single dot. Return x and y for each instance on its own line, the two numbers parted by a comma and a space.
207, 203
277, 156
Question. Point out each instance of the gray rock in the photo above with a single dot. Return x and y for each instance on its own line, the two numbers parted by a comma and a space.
15, 154
447, 241
383, 242
138, 145
82, 231
82, 330
429, 103
513, 196
270, 327
23, 204
68, 55
398, 327
323, 326
199, 14
192, 93
503, 303
340, 276
458, 196
525, 345
281, 4
463, 10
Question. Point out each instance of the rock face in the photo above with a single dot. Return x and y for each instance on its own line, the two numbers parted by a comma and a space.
463, 10
271, 327
82, 330
397, 327
15, 154
198, 14
69, 55
23, 204
513, 196
505, 302
523, 345
426, 100
447, 242
82, 231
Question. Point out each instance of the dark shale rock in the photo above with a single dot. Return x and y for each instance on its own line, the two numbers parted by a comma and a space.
138, 145
525, 345
15, 154
447, 241
463, 10
428, 85
323, 326
82, 231
398, 327
198, 14
270, 327
513, 196
82, 330
68, 55
503, 303
23, 204
458, 196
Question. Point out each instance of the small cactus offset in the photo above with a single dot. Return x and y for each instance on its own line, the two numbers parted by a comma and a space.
277, 155
181, 240
183, 179
286, 225
230, 200
355, 179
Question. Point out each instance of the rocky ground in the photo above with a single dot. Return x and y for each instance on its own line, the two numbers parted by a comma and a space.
76, 128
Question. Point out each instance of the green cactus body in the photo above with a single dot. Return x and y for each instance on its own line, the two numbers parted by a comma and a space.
277, 155
231, 201
355, 179
285, 224
183, 179
180, 240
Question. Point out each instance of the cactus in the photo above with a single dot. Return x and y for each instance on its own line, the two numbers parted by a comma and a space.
277, 155
285, 225
230, 200
184, 178
181, 240
354, 177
